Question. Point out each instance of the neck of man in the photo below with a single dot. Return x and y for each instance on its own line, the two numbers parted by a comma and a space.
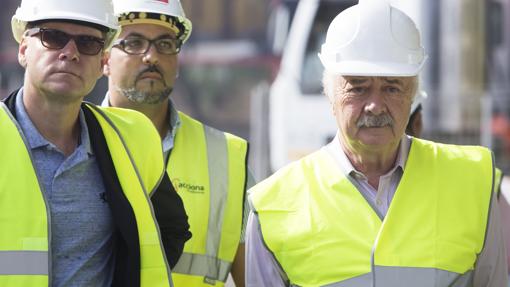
56, 120
373, 163
159, 113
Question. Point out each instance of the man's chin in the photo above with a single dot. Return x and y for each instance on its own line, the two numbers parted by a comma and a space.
148, 98
141, 94
376, 137
66, 93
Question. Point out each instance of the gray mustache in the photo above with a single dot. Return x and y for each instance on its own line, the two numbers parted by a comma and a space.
372, 121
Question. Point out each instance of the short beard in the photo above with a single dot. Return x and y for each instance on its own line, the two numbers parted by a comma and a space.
151, 98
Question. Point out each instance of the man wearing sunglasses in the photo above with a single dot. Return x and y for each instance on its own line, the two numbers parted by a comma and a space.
75, 179
206, 166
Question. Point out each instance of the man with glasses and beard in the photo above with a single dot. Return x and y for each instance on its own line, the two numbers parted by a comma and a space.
76, 179
376, 207
207, 166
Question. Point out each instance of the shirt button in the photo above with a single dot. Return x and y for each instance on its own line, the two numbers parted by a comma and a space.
378, 202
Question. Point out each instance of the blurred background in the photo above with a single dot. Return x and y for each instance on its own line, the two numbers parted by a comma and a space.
251, 68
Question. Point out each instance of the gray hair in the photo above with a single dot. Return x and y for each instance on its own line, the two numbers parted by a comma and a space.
328, 85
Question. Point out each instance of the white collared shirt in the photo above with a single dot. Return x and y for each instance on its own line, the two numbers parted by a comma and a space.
379, 199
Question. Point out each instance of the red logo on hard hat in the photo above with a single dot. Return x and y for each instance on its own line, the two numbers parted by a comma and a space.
164, 1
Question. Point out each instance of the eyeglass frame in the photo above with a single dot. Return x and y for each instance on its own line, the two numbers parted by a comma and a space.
119, 43
33, 32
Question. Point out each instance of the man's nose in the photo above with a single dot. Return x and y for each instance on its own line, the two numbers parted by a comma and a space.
375, 103
70, 52
151, 57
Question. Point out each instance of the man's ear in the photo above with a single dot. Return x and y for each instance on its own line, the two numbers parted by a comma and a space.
105, 63
22, 53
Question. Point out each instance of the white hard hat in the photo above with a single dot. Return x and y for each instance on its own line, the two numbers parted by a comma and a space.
98, 12
418, 100
168, 13
372, 38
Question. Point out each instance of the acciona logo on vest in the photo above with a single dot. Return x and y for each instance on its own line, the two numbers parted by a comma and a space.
184, 186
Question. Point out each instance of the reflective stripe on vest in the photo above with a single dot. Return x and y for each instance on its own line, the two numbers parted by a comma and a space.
208, 170
345, 243
420, 277
23, 263
129, 158
23, 212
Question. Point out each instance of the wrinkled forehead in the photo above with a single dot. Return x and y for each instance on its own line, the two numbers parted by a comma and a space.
358, 80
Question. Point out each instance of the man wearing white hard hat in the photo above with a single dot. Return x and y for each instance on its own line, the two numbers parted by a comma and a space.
76, 179
207, 166
376, 207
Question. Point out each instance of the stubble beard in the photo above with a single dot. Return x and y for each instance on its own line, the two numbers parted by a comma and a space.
151, 97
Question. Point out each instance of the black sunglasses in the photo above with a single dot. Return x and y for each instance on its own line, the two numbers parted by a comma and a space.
56, 40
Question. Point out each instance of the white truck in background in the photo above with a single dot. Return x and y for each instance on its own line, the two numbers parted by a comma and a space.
300, 119
291, 117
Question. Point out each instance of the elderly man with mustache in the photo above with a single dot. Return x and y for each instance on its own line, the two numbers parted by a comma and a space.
376, 207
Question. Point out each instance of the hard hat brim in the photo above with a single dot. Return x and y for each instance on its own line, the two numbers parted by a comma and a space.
373, 69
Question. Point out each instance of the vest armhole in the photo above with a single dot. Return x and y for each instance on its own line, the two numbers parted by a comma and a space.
283, 275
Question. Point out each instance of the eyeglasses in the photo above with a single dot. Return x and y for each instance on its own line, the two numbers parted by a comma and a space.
140, 45
55, 39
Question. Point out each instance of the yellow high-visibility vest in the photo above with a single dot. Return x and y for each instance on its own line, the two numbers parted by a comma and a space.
24, 241
208, 169
322, 231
